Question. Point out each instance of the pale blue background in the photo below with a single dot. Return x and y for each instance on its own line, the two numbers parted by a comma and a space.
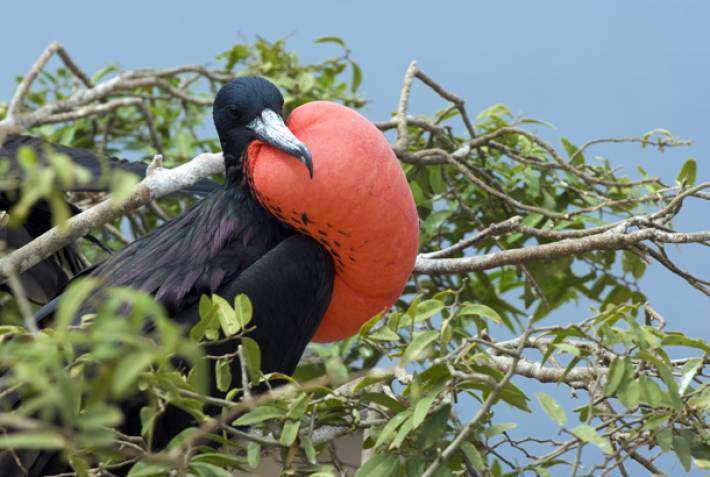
594, 69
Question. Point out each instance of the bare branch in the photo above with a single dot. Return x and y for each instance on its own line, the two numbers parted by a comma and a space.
24, 86
402, 133
492, 230
612, 240
79, 103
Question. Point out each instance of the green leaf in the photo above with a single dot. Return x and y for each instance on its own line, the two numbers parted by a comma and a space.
243, 309
127, 371
660, 131
220, 459
700, 401
305, 82
617, 371
576, 158
289, 432
99, 415
418, 346
655, 422
227, 316
103, 72
552, 408
60, 210
385, 333
32, 440
682, 448
497, 429
204, 469
377, 376
414, 464
688, 173
497, 110
433, 428
122, 184
667, 376
367, 326
390, 428
357, 77
309, 450
184, 144
402, 434
435, 220
427, 309
208, 319
568, 348
252, 356
651, 392
478, 309
206, 306
336, 371
298, 407
223, 375
383, 400
331, 39
80, 466
379, 465
146, 469
236, 54
588, 434
253, 454
679, 339
687, 373
664, 439
630, 394
633, 264
474, 457
421, 410
260, 414
72, 299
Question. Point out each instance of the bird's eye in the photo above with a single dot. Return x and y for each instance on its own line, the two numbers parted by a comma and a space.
235, 112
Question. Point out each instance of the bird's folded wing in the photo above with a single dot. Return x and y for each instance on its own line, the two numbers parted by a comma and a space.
290, 289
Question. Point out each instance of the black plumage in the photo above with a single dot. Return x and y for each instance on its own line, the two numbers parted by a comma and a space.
229, 244
43, 281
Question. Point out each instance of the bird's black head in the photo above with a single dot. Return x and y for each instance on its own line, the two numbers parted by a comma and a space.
249, 108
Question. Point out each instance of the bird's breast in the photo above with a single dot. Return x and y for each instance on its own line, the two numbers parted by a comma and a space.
358, 206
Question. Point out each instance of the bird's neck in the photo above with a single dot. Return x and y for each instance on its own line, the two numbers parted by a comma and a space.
234, 146
238, 184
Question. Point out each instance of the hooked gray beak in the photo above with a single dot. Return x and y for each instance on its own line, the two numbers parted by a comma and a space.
270, 128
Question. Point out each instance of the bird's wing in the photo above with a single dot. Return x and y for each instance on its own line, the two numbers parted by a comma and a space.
49, 277
99, 167
290, 289
194, 253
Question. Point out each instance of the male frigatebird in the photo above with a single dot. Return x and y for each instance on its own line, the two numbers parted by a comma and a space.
315, 224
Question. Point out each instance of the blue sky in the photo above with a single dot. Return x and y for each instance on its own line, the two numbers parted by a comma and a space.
593, 69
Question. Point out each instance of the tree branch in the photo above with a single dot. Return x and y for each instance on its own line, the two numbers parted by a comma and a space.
614, 239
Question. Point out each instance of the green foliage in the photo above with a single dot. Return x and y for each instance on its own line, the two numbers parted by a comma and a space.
299, 83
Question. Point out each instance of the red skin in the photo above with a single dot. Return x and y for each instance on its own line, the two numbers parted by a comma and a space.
358, 205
